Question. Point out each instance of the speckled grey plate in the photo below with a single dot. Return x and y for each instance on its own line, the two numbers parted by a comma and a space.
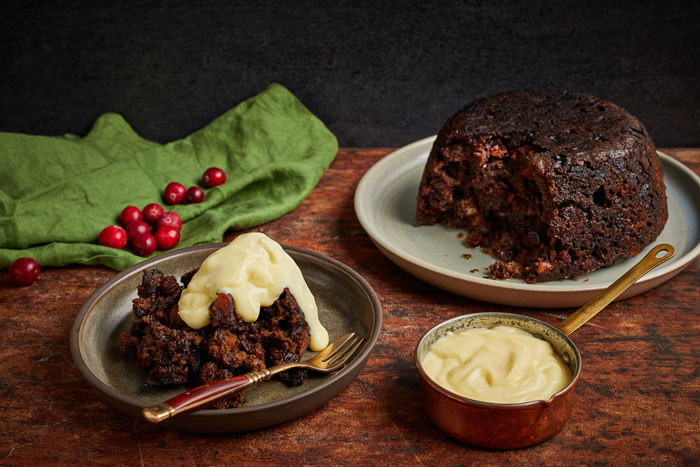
385, 203
346, 303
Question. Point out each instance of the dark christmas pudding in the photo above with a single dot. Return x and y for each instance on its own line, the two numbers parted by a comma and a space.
552, 184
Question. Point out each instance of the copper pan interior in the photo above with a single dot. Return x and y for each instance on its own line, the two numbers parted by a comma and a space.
562, 345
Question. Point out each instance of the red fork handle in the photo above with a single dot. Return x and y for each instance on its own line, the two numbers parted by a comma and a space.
198, 397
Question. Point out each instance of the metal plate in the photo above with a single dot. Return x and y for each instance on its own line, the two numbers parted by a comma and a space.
345, 301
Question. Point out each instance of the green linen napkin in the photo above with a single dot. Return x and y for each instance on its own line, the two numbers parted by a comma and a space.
58, 193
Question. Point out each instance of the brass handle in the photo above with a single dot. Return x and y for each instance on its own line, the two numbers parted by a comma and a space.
158, 413
600, 301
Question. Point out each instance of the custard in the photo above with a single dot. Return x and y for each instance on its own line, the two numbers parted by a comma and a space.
503, 364
254, 269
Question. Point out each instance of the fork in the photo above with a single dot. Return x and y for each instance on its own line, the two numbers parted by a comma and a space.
330, 359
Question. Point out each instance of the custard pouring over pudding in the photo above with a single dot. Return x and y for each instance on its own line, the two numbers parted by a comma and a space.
552, 184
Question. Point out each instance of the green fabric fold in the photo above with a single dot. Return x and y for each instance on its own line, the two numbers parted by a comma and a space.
58, 193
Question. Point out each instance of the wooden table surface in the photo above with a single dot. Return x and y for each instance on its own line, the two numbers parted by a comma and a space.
637, 401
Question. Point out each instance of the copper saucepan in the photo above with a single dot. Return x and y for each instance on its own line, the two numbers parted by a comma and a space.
510, 426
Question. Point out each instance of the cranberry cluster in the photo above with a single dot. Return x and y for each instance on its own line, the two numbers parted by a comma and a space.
136, 226
176, 193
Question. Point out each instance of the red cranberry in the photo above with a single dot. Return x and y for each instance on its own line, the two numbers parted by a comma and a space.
24, 271
194, 195
112, 236
129, 214
213, 177
135, 229
152, 212
170, 219
144, 244
175, 193
167, 237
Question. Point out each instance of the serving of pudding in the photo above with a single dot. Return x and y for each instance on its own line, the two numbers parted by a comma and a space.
247, 307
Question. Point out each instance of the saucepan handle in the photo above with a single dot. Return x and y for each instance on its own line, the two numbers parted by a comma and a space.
600, 301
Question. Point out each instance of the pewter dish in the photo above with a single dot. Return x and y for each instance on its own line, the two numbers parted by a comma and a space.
346, 303
385, 204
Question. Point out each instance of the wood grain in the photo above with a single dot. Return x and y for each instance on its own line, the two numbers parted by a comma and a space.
637, 402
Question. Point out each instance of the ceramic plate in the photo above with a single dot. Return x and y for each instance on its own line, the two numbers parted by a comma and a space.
345, 301
385, 203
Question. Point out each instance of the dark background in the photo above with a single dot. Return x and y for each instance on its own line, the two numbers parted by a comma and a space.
377, 73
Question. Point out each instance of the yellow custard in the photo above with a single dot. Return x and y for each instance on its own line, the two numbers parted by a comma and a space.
254, 269
503, 364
